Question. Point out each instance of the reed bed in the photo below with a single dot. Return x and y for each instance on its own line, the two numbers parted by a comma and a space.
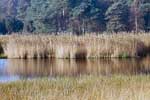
82, 88
68, 46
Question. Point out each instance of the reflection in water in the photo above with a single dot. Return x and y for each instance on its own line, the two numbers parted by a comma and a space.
52, 68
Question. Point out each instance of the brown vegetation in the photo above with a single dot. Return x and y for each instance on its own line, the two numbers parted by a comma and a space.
88, 46
82, 88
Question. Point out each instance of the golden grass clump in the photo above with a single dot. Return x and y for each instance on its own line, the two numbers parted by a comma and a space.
3, 42
88, 46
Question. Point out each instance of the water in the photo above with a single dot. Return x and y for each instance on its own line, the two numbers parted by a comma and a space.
18, 69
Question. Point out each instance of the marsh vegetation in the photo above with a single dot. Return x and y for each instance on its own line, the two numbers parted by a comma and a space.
79, 73
74, 49
82, 88
121, 45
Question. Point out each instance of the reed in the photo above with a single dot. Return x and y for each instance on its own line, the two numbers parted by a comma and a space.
82, 88
67, 46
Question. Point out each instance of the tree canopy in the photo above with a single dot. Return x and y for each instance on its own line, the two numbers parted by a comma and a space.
74, 16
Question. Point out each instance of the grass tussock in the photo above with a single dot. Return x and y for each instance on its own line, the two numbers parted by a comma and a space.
83, 88
88, 46
3, 43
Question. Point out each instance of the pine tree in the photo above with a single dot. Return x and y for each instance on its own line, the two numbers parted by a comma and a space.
21, 7
47, 15
88, 15
117, 17
2, 27
145, 9
136, 16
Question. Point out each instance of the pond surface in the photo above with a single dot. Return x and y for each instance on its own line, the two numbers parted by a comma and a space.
18, 69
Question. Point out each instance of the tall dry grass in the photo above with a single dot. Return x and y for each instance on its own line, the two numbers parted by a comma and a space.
88, 46
3, 42
83, 88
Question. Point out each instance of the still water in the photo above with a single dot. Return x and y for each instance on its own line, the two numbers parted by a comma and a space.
18, 69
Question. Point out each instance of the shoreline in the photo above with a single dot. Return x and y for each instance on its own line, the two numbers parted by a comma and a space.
75, 47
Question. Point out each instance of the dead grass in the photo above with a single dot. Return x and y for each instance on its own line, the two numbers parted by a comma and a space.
88, 46
83, 88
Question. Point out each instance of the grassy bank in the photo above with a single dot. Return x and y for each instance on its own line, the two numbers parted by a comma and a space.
83, 88
88, 46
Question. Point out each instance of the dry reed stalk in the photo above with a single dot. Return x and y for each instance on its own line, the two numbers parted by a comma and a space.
88, 46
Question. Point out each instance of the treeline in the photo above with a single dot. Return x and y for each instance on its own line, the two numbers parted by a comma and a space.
75, 16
